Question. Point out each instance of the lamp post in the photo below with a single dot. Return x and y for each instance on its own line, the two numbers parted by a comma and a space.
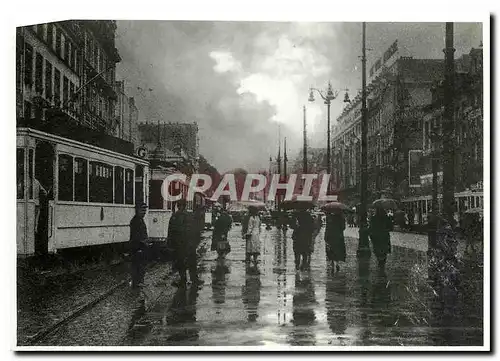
448, 135
327, 96
363, 246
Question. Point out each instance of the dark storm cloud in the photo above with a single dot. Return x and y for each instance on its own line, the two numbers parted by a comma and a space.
237, 79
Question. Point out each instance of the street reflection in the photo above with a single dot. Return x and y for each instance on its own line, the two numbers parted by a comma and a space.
443, 304
381, 300
304, 303
181, 317
279, 268
251, 293
336, 307
363, 284
219, 284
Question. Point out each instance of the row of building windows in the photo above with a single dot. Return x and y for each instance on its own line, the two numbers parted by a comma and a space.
82, 180
59, 43
99, 104
47, 79
96, 56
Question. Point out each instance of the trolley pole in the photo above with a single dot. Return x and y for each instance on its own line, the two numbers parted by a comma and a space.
449, 128
363, 246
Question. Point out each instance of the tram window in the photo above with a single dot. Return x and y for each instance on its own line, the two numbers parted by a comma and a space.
129, 186
20, 174
155, 198
81, 180
31, 155
65, 178
119, 185
139, 171
101, 183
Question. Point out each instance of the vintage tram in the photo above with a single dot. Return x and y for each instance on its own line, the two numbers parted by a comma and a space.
160, 209
88, 196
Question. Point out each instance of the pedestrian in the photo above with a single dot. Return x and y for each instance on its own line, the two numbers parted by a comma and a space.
220, 242
183, 241
334, 238
253, 236
380, 226
302, 239
138, 244
244, 229
38, 191
350, 219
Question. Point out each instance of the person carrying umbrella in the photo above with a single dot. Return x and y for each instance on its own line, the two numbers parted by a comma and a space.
380, 226
303, 239
334, 237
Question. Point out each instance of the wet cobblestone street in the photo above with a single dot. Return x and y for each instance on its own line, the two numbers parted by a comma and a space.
268, 305
273, 304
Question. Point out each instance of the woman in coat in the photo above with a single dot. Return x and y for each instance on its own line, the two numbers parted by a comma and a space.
380, 226
334, 238
222, 225
303, 239
253, 236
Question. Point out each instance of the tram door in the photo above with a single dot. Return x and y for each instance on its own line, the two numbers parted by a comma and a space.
44, 173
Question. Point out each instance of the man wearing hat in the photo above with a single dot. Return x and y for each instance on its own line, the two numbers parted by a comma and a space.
138, 246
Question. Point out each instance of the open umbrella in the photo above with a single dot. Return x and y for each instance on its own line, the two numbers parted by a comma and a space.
333, 206
297, 204
386, 203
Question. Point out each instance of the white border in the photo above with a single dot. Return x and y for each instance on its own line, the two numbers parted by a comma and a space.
30, 11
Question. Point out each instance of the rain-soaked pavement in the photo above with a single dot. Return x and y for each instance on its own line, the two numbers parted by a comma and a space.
275, 305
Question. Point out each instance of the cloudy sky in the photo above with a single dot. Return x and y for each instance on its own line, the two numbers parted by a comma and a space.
239, 80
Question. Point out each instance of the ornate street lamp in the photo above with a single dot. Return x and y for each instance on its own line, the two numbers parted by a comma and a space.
327, 96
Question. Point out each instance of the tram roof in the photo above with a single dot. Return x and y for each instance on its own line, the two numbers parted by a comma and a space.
67, 141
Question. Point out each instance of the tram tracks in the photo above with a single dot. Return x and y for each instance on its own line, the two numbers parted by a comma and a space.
156, 285
41, 335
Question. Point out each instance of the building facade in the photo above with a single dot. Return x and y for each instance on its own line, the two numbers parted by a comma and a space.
65, 76
180, 138
127, 115
405, 110
468, 120
396, 98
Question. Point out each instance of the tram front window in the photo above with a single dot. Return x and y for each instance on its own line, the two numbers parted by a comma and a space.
155, 197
